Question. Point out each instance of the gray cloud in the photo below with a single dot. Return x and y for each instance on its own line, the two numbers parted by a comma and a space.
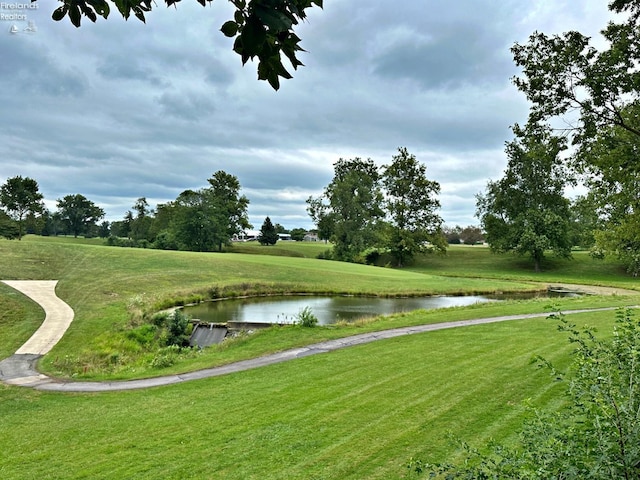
119, 110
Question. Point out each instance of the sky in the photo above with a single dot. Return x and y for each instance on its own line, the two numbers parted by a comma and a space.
119, 110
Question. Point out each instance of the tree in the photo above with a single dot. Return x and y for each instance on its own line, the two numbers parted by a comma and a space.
261, 28
322, 217
597, 436
140, 225
471, 235
78, 213
525, 212
611, 161
205, 219
20, 196
105, 229
230, 207
354, 208
192, 222
268, 234
564, 74
411, 203
8, 227
298, 234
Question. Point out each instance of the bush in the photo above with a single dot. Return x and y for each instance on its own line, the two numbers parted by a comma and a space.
596, 437
326, 255
178, 329
175, 327
166, 357
306, 318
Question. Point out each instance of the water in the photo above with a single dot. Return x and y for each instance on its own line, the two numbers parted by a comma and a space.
328, 309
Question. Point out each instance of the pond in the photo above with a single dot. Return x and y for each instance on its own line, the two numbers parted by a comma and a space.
328, 309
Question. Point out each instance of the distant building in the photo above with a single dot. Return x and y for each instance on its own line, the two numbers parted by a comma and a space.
246, 236
311, 237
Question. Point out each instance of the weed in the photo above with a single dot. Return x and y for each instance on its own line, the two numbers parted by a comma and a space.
306, 318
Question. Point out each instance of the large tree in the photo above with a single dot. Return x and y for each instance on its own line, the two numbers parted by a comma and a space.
205, 219
19, 197
230, 207
78, 213
411, 203
596, 92
526, 212
192, 222
613, 168
261, 28
564, 74
353, 208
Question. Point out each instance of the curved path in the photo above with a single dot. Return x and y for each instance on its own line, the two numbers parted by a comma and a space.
20, 368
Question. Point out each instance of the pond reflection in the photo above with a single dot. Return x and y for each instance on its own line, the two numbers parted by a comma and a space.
328, 309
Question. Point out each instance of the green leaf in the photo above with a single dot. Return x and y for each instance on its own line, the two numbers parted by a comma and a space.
59, 13
139, 13
229, 29
75, 16
253, 36
101, 7
275, 20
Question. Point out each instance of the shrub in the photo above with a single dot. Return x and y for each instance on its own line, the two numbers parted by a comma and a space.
144, 334
178, 329
306, 318
166, 357
597, 436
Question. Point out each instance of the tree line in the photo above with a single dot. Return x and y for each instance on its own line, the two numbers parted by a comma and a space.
205, 219
23, 211
196, 220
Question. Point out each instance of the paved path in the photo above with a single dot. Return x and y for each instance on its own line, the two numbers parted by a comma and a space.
20, 368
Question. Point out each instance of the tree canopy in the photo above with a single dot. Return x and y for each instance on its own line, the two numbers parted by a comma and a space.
262, 29
411, 203
20, 196
366, 211
353, 207
78, 213
268, 233
563, 74
596, 93
525, 211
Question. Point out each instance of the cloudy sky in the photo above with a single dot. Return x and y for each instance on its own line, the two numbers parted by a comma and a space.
120, 110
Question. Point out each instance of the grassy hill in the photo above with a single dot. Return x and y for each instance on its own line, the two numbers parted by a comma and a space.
356, 413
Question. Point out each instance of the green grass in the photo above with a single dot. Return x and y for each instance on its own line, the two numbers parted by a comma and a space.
287, 248
471, 261
361, 412
109, 288
357, 413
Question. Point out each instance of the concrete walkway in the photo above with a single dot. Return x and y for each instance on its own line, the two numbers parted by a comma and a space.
20, 369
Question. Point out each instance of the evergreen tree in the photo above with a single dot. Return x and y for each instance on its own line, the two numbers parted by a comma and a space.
268, 233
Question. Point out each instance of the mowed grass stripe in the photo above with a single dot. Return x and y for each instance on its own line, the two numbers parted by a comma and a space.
356, 413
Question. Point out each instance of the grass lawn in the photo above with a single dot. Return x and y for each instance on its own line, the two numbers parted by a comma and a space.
357, 413
352, 414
